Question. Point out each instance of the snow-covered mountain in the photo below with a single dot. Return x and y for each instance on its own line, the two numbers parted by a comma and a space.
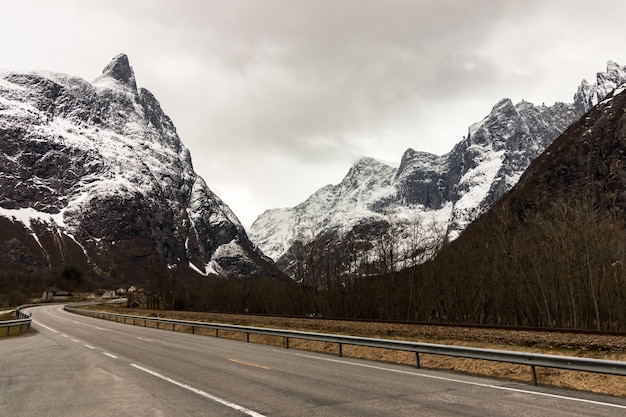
94, 175
442, 193
588, 95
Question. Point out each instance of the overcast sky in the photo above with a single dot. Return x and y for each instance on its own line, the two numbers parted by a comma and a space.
277, 98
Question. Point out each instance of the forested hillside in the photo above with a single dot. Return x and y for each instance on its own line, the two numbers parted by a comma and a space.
551, 252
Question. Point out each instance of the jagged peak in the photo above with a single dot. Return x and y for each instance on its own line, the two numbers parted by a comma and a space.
411, 154
407, 155
503, 103
368, 166
120, 70
615, 73
412, 160
588, 95
369, 161
610, 64
613, 67
504, 106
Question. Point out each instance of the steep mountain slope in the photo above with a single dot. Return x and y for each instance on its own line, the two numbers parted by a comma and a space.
586, 160
332, 209
444, 193
550, 252
94, 175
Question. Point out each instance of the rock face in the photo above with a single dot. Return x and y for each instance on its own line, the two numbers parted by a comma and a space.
586, 160
449, 191
94, 175
550, 252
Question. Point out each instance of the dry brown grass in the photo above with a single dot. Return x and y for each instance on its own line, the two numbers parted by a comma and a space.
13, 331
592, 346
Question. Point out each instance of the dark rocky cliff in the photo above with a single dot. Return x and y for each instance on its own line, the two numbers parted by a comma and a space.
94, 175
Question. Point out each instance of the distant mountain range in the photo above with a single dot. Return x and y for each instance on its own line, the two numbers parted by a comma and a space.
94, 176
443, 193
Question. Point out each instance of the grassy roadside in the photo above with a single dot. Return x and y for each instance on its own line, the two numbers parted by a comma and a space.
7, 316
599, 347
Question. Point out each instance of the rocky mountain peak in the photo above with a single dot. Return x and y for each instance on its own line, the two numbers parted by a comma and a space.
97, 170
588, 95
411, 158
367, 166
120, 70
503, 105
588, 156
450, 190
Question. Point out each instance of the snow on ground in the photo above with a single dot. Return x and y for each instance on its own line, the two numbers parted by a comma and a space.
27, 214
478, 180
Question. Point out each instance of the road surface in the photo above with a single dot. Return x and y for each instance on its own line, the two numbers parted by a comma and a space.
81, 366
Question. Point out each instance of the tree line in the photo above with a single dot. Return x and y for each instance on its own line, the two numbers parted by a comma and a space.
559, 263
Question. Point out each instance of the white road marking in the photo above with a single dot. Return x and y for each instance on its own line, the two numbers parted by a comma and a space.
200, 392
110, 355
44, 326
74, 340
89, 346
478, 384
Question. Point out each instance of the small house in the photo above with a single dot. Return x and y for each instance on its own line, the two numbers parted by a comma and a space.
55, 294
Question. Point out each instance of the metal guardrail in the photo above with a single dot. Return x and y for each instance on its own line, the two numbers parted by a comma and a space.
20, 315
23, 321
520, 358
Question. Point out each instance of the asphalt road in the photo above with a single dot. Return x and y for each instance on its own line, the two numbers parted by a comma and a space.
80, 366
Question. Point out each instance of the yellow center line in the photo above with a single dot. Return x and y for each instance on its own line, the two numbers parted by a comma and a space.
249, 364
144, 339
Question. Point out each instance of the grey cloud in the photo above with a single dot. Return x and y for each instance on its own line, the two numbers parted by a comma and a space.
277, 97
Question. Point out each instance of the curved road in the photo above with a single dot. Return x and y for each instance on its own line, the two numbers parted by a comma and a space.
78, 366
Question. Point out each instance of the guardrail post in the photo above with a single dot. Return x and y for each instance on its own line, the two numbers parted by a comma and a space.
286, 342
193, 329
217, 333
173, 327
534, 373
248, 337
418, 365
340, 350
